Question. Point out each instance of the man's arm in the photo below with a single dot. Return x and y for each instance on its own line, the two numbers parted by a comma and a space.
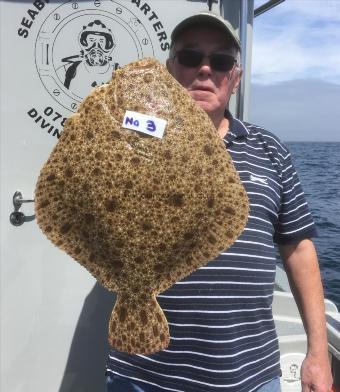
302, 268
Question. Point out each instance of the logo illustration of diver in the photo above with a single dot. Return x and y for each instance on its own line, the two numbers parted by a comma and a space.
93, 66
80, 44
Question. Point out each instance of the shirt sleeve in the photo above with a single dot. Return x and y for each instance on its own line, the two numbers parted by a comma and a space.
295, 221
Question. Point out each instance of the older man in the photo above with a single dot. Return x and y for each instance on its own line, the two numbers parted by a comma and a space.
222, 331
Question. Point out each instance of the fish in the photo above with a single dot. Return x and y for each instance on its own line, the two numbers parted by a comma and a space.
140, 212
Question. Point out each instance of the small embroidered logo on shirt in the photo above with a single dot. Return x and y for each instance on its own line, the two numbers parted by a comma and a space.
258, 179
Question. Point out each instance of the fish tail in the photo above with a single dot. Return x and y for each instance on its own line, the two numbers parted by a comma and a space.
138, 328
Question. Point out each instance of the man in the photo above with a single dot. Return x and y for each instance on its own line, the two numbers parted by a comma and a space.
93, 66
222, 333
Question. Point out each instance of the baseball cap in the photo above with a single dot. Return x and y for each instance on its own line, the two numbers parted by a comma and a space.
206, 18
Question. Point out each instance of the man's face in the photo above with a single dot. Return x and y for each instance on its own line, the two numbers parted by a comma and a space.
210, 89
95, 52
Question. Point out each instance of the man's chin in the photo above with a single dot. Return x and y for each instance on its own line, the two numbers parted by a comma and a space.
206, 106
201, 99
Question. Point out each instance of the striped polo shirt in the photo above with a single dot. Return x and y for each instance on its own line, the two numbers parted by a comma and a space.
220, 317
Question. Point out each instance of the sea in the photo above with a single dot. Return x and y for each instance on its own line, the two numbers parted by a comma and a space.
318, 167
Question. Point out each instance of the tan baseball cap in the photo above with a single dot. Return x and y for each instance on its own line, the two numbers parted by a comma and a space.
206, 18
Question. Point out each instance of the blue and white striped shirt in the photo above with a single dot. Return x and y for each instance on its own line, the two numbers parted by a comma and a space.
220, 317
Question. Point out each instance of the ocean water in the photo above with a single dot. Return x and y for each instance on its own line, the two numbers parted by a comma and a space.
318, 167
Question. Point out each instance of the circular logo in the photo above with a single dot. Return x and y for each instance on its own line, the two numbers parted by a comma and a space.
78, 48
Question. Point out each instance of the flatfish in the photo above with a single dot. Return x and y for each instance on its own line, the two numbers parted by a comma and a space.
140, 212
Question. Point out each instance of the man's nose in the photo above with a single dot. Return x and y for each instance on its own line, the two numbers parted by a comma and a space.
205, 68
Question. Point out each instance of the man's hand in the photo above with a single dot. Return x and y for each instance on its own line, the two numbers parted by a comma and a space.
316, 374
301, 264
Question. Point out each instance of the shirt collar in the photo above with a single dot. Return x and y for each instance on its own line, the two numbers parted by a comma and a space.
237, 129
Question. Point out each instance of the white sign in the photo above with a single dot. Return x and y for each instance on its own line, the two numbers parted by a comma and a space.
144, 123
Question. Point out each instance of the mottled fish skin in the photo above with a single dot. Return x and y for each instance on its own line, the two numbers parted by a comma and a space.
138, 212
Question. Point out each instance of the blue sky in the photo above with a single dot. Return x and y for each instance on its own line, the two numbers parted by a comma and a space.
297, 39
296, 70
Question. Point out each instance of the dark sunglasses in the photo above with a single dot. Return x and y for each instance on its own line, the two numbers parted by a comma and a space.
192, 58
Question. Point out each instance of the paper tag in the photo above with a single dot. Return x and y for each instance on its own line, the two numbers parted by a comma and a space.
144, 123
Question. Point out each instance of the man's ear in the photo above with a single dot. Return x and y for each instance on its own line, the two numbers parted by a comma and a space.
238, 78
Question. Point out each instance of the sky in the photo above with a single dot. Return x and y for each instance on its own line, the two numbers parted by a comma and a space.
295, 89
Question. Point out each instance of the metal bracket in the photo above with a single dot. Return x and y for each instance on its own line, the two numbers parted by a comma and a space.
17, 218
18, 200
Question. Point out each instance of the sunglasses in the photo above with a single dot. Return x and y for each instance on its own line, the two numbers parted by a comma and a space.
192, 58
